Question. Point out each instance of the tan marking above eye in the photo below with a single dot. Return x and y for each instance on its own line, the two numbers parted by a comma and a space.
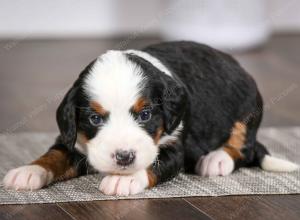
140, 104
98, 108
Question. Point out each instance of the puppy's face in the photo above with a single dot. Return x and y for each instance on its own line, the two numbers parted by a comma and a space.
123, 110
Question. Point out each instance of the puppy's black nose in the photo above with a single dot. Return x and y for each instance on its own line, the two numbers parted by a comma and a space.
124, 157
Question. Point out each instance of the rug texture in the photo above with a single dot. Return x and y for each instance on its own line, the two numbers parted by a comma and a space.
17, 150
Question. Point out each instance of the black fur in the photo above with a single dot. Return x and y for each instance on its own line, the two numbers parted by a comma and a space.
66, 119
170, 161
220, 93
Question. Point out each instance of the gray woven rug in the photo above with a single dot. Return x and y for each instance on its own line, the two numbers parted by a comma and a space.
20, 149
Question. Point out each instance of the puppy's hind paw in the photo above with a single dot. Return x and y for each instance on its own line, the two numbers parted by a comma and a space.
30, 177
216, 163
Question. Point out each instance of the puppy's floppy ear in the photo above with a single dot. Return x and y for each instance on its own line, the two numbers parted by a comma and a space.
66, 119
174, 102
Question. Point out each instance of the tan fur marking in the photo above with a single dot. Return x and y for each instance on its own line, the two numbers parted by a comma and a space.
158, 134
236, 141
233, 153
70, 173
98, 108
238, 136
152, 178
57, 162
82, 139
139, 104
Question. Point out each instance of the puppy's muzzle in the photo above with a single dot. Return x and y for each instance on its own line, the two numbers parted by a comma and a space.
124, 157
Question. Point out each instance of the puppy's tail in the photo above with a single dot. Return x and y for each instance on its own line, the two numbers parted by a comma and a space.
270, 163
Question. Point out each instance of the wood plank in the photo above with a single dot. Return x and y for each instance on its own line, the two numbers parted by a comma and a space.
250, 207
287, 204
32, 212
134, 209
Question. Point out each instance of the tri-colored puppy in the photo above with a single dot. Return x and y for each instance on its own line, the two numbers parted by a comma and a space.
141, 117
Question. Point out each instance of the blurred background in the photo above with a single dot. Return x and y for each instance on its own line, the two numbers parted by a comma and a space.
45, 44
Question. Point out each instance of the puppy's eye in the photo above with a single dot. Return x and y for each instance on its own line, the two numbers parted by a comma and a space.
95, 120
145, 115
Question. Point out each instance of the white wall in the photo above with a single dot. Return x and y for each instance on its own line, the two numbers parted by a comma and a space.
55, 18
284, 15
65, 18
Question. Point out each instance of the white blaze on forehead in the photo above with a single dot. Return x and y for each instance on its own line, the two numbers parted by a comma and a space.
114, 81
151, 59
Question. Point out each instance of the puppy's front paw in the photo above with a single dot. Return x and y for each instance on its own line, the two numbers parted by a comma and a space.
125, 185
28, 177
216, 163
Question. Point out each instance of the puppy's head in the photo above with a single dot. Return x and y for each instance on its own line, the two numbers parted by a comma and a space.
120, 109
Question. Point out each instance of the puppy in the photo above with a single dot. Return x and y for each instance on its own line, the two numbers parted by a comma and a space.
141, 117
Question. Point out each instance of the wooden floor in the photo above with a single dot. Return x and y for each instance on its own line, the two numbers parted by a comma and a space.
34, 75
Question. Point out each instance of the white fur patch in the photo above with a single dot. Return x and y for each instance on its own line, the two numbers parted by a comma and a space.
30, 177
125, 185
116, 84
172, 137
216, 163
153, 60
274, 164
114, 81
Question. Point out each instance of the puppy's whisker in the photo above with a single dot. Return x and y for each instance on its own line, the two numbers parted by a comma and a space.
87, 167
77, 164
157, 164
